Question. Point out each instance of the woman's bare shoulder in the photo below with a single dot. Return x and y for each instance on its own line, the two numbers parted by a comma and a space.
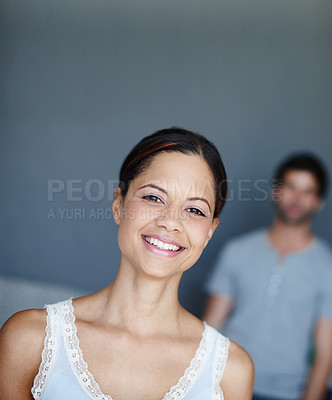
238, 377
21, 344
24, 326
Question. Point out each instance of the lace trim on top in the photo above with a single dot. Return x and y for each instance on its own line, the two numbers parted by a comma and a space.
219, 366
49, 352
91, 387
195, 367
75, 356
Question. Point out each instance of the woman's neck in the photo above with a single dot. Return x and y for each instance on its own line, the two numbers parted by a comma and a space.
141, 303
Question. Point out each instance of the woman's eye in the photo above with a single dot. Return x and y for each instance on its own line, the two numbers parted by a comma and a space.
197, 211
152, 198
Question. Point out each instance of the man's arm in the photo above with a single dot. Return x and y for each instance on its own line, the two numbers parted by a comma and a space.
320, 372
217, 310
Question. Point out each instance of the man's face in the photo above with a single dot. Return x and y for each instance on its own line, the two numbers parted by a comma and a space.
297, 198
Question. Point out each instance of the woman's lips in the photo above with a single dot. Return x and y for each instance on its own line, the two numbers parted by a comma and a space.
163, 239
166, 253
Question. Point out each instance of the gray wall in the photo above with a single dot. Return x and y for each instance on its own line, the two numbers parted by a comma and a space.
83, 81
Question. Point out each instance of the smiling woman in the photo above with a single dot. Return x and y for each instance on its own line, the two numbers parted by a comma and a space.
133, 339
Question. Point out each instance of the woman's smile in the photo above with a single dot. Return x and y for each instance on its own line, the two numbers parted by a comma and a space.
161, 248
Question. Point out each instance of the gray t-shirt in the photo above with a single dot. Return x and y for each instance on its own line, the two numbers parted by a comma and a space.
276, 303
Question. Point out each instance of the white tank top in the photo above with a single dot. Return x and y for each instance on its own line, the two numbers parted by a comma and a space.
63, 373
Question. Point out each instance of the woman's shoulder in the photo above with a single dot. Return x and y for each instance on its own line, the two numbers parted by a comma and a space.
21, 345
239, 359
24, 327
238, 376
22, 333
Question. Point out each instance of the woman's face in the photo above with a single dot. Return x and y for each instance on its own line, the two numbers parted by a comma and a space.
171, 202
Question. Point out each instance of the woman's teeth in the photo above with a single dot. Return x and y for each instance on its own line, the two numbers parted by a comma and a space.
161, 245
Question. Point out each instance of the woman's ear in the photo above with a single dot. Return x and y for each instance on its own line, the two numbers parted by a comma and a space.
213, 227
117, 205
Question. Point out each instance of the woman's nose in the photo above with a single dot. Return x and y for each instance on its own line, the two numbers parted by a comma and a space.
170, 218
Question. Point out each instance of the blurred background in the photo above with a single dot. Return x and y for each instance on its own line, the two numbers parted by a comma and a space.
81, 82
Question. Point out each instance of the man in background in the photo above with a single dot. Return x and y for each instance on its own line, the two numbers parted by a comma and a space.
271, 290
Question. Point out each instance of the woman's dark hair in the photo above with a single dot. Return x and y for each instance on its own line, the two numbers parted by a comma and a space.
304, 161
181, 140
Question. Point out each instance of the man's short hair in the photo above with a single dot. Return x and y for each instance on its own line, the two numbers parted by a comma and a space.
303, 161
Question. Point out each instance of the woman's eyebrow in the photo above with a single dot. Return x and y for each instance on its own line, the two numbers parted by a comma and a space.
153, 186
164, 191
200, 198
